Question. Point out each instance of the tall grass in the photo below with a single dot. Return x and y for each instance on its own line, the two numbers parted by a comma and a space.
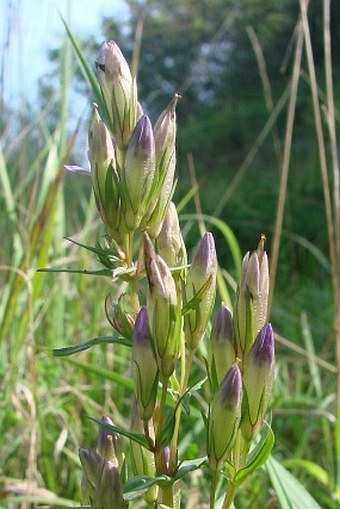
44, 399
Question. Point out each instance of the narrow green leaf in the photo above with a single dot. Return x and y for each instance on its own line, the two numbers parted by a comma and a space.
290, 493
311, 468
97, 250
258, 455
139, 438
100, 340
189, 466
138, 485
99, 272
197, 298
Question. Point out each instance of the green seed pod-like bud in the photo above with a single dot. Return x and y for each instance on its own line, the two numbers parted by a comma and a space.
109, 489
224, 418
142, 460
163, 310
200, 285
138, 173
119, 91
252, 298
165, 136
258, 376
103, 170
162, 197
221, 352
89, 460
144, 367
169, 242
110, 443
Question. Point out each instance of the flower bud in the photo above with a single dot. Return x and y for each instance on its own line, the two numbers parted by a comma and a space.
144, 367
160, 198
165, 136
222, 352
258, 376
109, 489
138, 173
142, 460
120, 320
169, 242
224, 418
252, 298
110, 443
103, 169
89, 460
119, 91
201, 284
163, 310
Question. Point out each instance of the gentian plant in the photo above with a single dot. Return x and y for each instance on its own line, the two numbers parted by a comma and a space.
165, 315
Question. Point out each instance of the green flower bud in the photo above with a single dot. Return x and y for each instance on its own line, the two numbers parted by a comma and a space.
119, 91
103, 170
110, 443
138, 173
163, 310
89, 460
221, 352
165, 136
109, 489
120, 320
160, 199
224, 418
251, 298
200, 285
169, 240
142, 460
144, 367
258, 376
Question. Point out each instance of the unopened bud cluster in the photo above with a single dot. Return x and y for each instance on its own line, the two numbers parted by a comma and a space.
132, 170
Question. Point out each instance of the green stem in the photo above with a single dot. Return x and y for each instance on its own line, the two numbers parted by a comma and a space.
229, 496
213, 489
162, 405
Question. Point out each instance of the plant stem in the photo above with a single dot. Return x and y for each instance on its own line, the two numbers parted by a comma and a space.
213, 489
229, 496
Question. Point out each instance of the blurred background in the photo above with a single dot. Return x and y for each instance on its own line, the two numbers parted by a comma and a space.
232, 61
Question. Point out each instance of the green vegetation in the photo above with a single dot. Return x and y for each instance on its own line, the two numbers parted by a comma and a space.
243, 134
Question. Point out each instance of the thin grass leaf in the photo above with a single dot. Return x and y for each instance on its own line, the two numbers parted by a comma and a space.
310, 468
99, 272
100, 340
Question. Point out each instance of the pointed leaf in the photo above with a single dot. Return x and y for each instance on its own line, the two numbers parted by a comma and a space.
139, 438
138, 485
70, 350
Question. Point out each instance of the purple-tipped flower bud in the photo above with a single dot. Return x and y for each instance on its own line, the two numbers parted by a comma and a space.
163, 310
224, 418
222, 352
103, 169
252, 298
165, 136
144, 367
119, 91
138, 173
258, 376
109, 489
200, 285
110, 443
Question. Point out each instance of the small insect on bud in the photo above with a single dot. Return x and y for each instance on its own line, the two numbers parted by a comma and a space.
224, 418
258, 376
163, 310
109, 489
200, 286
144, 367
119, 91
138, 173
103, 170
221, 351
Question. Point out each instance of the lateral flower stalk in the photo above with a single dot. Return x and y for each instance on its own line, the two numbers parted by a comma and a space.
119, 91
258, 377
144, 367
200, 284
138, 173
221, 351
163, 310
224, 418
